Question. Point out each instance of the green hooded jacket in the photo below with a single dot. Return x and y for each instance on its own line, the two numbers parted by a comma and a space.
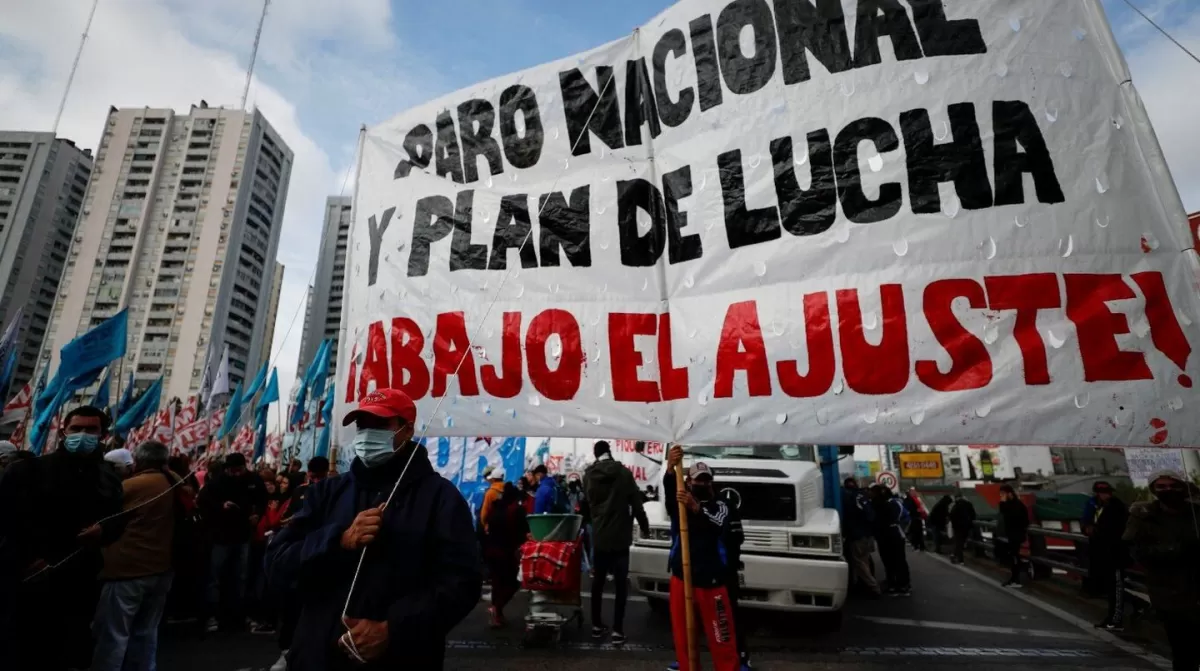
615, 502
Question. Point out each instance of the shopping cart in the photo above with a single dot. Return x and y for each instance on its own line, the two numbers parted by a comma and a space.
550, 571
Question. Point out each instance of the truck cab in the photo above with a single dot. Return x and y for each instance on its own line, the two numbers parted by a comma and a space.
792, 556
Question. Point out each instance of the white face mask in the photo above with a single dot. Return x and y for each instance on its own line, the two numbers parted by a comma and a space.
373, 446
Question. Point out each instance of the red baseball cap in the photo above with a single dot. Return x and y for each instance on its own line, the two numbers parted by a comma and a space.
385, 404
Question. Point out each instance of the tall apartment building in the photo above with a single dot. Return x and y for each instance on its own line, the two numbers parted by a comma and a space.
42, 184
323, 313
273, 311
180, 225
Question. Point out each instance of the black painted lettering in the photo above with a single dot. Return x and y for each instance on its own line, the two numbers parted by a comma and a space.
960, 160
743, 226
375, 230
513, 230
476, 120
676, 185
521, 150
637, 250
587, 109
672, 112
808, 211
708, 73
566, 226
418, 144
855, 204
880, 18
746, 73
819, 30
447, 156
940, 37
465, 255
433, 221
639, 103
1014, 124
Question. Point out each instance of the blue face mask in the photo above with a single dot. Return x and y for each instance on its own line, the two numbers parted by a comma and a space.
81, 443
373, 446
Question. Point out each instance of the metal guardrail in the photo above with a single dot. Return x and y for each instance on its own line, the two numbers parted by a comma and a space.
1045, 559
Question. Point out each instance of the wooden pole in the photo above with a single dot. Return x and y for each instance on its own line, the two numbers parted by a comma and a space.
693, 660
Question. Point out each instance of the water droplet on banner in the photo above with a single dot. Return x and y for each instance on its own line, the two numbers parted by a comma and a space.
692, 333
599, 351
1123, 416
512, 412
703, 181
1056, 340
512, 176
991, 333
1183, 317
870, 320
603, 242
687, 426
1020, 221
843, 233
1117, 122
601, 209
597, 420
1149, 243
689, 281
453, 289
1079, 34
603, 390
847, 87
1051, 114
921, 77
778, 326
735, 419
760, 269
1065, 69
801, 156
645, 284
489, 184
822, 416
1103, 221
950, 206
562, 421
838, 386
448, 422
1066, 247
535, 400
554, 132
900, 247
989, 248
780, 108
871, 415
755, 160
1002, 70
983, 411
1081, 400
520, 289
781, 418
566, 164
1101, 184
941, 131
1175, 403
487, 409
1140, 328
917, 417
875, 162
1015, 24
703, 399
643, 226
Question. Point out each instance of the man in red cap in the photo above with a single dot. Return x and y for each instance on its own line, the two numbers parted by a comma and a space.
420, 573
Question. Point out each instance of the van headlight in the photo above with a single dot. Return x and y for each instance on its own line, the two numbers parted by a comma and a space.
656, 536
812, 542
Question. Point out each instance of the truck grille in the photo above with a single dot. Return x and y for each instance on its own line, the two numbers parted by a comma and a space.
762, 501
765, 540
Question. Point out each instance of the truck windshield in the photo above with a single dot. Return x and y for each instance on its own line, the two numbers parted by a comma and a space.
789, 452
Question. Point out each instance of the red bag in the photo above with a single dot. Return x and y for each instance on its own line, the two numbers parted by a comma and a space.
551, 565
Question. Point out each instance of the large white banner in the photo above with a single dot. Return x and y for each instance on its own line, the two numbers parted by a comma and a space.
874, 222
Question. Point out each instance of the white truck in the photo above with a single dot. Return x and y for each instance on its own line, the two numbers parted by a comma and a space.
792, 557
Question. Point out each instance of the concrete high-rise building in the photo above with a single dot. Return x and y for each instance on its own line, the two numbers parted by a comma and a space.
180, 225
42, 184
273, 312
323, 313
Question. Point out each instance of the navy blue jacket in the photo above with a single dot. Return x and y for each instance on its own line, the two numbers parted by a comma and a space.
714, 537
421, 574
858, 516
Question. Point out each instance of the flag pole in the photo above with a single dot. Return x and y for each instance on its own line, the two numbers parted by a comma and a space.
686, 558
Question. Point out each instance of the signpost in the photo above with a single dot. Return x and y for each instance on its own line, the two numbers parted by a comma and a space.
887, 479
921, 465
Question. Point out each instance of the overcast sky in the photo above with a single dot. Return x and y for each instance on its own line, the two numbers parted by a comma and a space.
327, 66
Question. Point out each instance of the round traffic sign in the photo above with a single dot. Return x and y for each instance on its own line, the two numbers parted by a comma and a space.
887, 479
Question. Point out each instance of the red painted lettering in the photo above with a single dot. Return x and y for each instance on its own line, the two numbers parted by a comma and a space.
559, 384
1026, 294
742, 348
674, 381
1097, 327
970, 363
1165, 331
375, 365
821, 362
874, 369
452, 355
409, 373
625, 359
504, 381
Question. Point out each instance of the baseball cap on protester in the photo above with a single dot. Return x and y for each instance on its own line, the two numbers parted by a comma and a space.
700, 468
384, 404
497, 474
119, 457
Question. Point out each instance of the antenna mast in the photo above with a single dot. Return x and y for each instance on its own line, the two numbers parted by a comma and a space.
62, 104
254, 53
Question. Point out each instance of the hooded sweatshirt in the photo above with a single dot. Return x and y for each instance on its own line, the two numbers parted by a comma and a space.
614, 502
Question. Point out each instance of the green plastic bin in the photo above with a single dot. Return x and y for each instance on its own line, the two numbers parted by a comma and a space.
551, 527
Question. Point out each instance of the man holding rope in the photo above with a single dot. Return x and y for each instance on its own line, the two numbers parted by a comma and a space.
384, 557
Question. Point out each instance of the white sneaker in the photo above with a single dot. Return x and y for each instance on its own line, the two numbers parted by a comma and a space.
281, 665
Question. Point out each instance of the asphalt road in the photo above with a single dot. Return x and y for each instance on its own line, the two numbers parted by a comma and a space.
955, 618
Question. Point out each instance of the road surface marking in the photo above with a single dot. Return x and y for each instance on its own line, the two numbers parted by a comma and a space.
1087, 628
486, 595
983, 629
888, 651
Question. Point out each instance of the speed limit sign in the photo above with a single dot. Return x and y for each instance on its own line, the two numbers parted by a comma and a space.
887, 479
